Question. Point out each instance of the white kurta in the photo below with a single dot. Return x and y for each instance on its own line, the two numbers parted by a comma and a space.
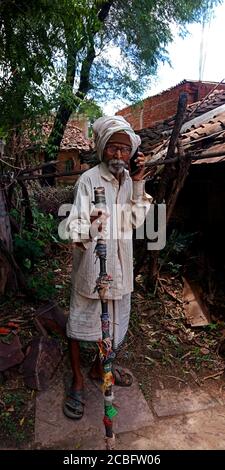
127, 205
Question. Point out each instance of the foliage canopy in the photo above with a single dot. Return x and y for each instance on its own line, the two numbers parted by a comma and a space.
57, 54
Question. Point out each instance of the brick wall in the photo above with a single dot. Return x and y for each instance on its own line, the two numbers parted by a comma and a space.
159, 107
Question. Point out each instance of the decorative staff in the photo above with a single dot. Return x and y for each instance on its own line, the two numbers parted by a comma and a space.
106, 352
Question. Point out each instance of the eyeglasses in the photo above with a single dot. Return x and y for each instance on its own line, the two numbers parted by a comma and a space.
112, 149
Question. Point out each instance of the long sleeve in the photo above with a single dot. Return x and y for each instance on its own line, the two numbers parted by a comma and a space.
124, 203
141, 202
78, 223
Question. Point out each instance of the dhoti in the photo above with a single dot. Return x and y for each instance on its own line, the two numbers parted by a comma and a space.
84, 321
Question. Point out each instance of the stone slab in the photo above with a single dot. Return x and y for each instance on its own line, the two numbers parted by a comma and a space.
170, 403
51, 426
200, 430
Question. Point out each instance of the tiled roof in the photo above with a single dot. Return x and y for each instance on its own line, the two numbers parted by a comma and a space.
73, 138
199, 138
209, 136
212, 101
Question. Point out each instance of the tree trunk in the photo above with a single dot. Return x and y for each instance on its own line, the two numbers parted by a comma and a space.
7, 274
65, 110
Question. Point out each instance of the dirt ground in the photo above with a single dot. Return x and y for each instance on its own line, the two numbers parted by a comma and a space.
161, 343
161, 350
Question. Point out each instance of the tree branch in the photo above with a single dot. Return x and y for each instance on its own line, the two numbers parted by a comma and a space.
85, 71
169, 172
103, 13
181, 108
65, 110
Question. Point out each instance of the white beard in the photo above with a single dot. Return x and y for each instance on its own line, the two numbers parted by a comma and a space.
116, 167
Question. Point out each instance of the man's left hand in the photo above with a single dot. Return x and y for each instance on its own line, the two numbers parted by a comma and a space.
140, 161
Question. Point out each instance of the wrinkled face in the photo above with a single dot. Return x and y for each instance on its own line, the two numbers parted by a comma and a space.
117, 153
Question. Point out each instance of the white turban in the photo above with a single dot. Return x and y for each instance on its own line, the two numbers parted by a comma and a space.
106, 126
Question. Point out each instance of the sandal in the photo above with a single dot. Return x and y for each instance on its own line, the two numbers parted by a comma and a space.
122, 378
74, 404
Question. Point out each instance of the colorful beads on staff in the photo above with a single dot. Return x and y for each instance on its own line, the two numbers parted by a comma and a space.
108, 381
110, 411
108, 399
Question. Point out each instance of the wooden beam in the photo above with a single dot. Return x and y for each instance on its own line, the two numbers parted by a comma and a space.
181, 108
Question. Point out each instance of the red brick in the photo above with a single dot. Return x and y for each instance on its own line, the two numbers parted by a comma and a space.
159, 107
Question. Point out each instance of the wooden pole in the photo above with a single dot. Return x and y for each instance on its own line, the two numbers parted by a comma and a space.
106, 352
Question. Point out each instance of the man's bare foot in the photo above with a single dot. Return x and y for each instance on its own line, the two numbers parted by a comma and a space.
96, 371
78, 383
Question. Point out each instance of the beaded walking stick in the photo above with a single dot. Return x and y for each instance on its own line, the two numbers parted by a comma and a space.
106, 353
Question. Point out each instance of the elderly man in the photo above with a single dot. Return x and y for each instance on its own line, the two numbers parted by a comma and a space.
127, 205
